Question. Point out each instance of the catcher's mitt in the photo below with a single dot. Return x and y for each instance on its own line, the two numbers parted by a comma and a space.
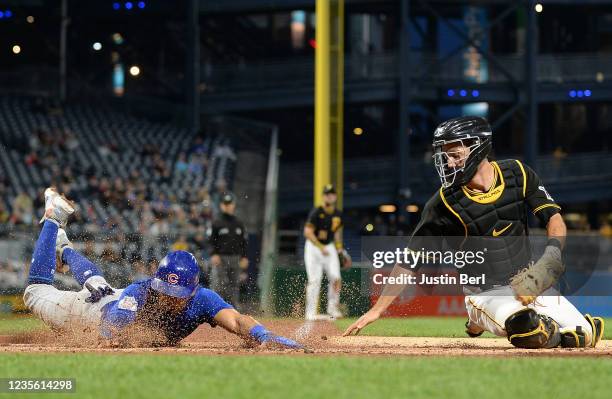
530, 282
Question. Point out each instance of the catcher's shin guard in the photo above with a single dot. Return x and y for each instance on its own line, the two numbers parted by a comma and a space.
577, 338
527, 329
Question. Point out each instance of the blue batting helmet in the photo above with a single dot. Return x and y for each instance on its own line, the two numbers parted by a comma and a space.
178, 275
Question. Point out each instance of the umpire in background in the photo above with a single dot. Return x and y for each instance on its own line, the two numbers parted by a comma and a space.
229, 251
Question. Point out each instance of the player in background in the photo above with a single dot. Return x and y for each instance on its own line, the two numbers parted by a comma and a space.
482, 198
163, 309
228, 238
323, 251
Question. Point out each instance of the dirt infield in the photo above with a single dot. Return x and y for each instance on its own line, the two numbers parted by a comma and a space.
323, 338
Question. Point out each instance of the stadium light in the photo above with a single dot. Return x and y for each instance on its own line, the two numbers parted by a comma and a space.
134, 70
450, 92
141, 4
117, 38
128, 5
358, 131
587, 93
16, 49
412, 208
97, 46
572, 93
387, 208
539, 8
369, 227
462, 93
475, 93
30, 19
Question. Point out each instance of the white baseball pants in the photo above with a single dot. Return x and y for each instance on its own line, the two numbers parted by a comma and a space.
316, 263
64, 309
490, 309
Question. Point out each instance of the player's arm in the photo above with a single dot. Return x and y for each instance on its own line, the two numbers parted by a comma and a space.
215, 311
343, 255
309, 231
544, 273
543, 206
390, 292
428, 225
122, 312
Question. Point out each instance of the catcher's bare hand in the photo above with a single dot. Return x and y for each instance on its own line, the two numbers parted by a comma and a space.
370, 317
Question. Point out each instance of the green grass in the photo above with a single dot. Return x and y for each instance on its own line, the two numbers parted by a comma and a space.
18, 324
426, 327
278, 376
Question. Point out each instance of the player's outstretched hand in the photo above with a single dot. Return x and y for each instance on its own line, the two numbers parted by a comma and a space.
98, 287
370, 317
281, 342
268, 339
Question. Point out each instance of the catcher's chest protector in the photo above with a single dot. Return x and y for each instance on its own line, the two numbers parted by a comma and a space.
499, 215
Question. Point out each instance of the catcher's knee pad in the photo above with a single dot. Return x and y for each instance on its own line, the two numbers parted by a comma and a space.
577, 338
530, 330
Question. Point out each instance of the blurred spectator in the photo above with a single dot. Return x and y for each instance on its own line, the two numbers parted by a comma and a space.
89, 250
109, 254
4, 214
152, 264
9, 278
181, 164
23, 209
224, 150
606, 229
139, 269
71, 143
180, 244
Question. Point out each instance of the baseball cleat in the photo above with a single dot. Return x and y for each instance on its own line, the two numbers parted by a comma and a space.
57, 207
336, 315
577, 338
472, 331
598, 325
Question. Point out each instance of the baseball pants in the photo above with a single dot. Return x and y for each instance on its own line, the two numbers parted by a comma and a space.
225, 279
56, 308
63, 309
317, 263
490, 309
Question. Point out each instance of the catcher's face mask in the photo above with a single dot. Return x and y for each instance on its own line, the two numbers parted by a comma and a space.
452, 157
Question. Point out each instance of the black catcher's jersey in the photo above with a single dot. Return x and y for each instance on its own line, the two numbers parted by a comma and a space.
325, 223
501, 212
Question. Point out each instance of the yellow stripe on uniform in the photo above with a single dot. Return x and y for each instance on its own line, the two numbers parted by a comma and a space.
485, 313
537, 330
524, 177
453, 211
539, 208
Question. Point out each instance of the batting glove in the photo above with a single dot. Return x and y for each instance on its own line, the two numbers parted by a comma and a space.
98, 287
261, 335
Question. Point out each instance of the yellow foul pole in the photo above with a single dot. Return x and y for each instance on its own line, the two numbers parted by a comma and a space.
322, 153
329, 99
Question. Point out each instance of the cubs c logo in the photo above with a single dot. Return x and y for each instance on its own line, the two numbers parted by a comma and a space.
173, 278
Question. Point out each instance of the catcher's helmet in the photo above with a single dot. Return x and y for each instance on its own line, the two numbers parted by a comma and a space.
473, 132
178, 275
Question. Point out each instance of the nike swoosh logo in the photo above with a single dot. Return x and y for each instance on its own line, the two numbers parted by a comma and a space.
497, 233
